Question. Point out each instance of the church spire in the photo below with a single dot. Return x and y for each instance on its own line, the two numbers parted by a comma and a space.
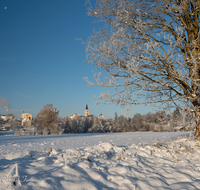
86, 111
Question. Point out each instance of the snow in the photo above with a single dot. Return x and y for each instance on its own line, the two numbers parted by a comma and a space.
25, 119
100, 161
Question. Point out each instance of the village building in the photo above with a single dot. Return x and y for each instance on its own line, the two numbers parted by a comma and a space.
101, 116
86, 111
26, 119
78, 116
6, 117
5, 122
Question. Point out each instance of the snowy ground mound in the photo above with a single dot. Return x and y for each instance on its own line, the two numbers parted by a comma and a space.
159, 165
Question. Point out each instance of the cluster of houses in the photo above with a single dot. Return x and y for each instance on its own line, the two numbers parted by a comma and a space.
87, 115
4, 126
26, 119
6, 121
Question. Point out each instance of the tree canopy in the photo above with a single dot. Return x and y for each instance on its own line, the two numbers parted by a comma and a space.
148, 52
47, 120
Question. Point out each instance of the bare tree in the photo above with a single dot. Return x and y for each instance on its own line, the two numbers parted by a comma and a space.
176, 115
117, 126
97, 126
1, 121
87, 124
47, 119
136, 123
123, 123
67, 125
149, 51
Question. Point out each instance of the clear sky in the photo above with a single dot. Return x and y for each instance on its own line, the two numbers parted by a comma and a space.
42, 63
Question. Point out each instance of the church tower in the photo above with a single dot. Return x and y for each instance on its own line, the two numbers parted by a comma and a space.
86, 111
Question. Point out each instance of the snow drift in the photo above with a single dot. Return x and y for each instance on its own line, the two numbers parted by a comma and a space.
172, 164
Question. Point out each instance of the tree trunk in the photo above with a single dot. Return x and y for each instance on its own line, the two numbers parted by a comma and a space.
195, 87
197, 118
197, 132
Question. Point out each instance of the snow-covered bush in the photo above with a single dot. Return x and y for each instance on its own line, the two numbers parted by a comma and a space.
47, 120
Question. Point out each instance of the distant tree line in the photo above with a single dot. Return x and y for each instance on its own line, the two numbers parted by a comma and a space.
48, 121
155, 122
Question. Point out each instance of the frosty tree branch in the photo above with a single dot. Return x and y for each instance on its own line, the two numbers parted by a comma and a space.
147, 49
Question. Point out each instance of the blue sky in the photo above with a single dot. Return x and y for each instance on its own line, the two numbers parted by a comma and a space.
42, 63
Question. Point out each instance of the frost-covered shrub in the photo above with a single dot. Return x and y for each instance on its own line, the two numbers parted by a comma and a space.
47, 120
19, 132
97, 126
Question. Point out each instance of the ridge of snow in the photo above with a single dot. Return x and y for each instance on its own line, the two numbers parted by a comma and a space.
168, 163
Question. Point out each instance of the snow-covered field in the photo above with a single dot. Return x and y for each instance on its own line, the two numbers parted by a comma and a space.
101, 161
